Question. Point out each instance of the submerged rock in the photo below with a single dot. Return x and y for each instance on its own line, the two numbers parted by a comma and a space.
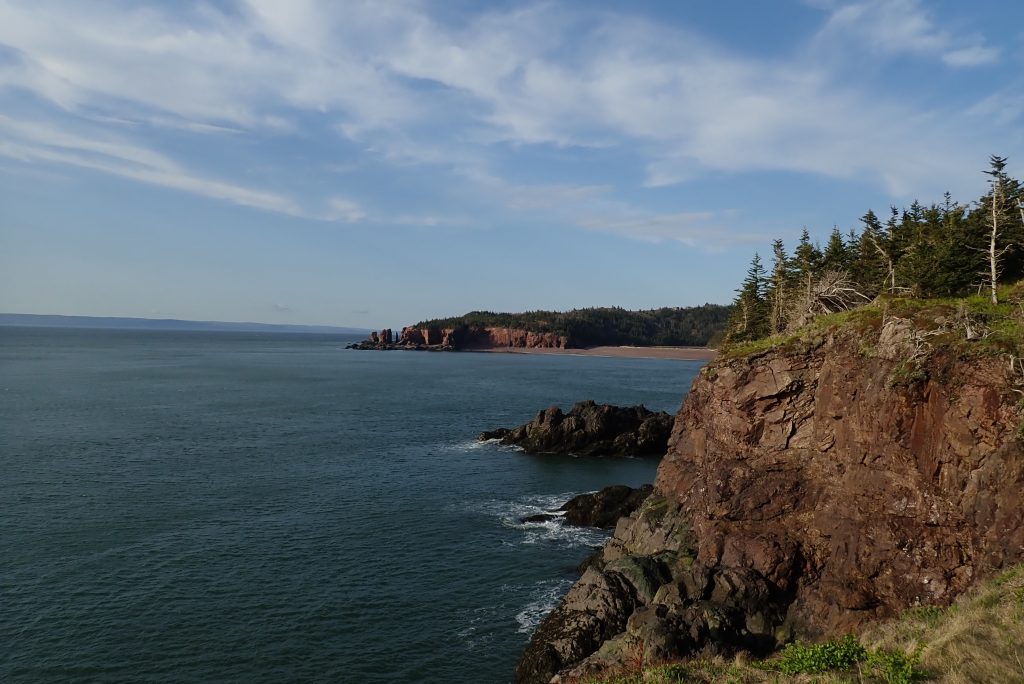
591, 429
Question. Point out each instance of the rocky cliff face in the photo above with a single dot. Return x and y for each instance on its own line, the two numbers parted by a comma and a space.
481, 338
447, 339
807, 490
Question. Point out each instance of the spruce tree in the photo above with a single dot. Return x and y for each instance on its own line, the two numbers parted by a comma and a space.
749, 320
779, 290
806, 262
835, 257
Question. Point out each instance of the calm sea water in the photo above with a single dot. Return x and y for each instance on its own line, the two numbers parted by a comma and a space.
197, 507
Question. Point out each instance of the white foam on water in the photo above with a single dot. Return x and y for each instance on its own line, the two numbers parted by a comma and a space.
544, 598
472, 445
475, 634
468, 445
511, 515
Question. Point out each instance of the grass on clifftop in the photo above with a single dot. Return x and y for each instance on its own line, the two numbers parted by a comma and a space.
980, 638
995, 328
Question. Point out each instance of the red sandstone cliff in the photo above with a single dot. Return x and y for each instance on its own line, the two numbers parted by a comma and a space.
807, 490
481, 338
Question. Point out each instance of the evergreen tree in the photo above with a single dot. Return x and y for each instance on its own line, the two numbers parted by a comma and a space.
835, 257
749, 320
806, 262
870, 263
779, 289
957, 251
928, 251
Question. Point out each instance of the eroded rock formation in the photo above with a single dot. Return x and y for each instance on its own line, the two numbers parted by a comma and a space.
385, 339
465, 338
481, 338
807, 490
591, 429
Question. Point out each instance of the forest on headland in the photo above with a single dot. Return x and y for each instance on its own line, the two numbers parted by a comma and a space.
695, 326
941, 250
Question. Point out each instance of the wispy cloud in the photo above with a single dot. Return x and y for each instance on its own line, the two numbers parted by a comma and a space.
705, 229
33, 142
344, 209
893, 27
412, 89
971, 56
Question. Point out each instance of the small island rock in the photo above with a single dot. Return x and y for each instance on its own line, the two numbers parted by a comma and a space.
591, 429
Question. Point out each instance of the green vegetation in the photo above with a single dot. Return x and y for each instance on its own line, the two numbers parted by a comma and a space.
840, 655
968, 327
695, 326
980, 638
943, 250
846, 655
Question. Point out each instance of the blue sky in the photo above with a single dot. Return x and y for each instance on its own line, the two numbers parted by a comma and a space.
375, 163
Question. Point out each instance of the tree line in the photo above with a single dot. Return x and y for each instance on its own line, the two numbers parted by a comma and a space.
695, 326
941, 250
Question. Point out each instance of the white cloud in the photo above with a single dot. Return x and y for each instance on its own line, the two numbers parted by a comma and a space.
414, 90
345, 210
34, 142
894, 27
705, 229
971, 56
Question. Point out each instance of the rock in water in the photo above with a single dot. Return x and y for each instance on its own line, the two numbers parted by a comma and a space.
591, 429
597, 509
604, 508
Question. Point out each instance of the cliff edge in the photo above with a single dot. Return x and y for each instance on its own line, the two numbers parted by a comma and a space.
871, 463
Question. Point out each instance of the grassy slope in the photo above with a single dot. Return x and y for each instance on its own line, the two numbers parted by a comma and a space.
1002, 323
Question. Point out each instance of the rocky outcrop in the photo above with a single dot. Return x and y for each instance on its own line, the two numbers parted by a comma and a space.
385, 339
807, 490
598, 509
463, 338
605, 507
591, 429
481, 338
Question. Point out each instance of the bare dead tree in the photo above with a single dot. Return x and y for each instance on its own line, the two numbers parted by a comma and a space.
1001, 185
971, 327
831, 292
890, 266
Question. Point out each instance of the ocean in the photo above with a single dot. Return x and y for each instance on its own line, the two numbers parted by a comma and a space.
260, 507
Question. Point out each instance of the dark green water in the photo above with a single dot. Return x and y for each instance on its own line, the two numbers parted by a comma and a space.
197, 507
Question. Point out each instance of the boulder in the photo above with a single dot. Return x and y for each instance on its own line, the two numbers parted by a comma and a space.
604, 508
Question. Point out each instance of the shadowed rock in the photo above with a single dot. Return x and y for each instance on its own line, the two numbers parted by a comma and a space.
591, 429
596, 509
604, 508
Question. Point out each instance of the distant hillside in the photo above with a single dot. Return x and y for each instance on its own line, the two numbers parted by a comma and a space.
118, 323
695, 326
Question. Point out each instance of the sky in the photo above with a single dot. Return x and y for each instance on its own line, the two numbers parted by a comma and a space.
377, 163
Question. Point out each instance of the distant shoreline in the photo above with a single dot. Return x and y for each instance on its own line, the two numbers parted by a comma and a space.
13, 320
675, 353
